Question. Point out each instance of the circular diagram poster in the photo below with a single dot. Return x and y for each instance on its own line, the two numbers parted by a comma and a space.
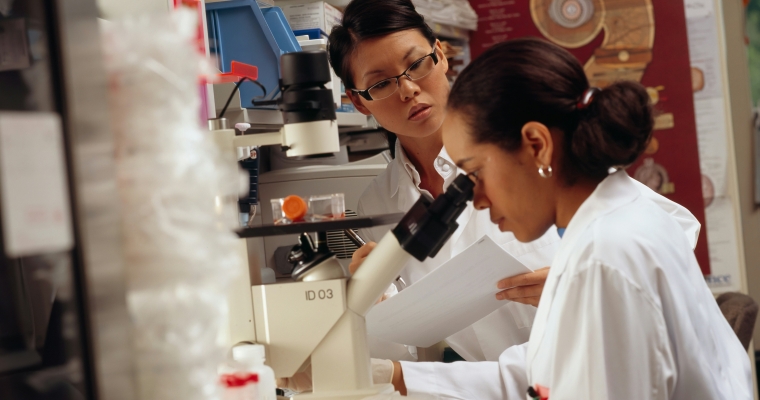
641, 40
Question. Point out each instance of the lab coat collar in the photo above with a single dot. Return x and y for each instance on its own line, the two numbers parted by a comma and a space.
443, 165
613, 192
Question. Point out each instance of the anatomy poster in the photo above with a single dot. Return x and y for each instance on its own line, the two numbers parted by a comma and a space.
641, 40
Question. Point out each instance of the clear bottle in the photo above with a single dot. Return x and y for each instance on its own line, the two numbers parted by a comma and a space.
252, 357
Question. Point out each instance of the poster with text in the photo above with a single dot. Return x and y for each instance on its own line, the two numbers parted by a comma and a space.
641, 40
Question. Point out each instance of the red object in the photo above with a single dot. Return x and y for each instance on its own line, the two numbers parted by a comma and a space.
239, 70
669, 66
238, 380
543, 392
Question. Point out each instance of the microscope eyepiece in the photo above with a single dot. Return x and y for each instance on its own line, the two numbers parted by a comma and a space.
427, 226
461, 189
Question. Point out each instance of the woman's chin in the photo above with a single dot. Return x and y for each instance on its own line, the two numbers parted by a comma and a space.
521, 235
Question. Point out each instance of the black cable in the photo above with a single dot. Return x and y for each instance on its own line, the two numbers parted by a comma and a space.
261, 85
237, 87
232, 94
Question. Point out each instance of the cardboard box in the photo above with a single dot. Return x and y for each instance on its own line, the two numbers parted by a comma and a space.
317, 15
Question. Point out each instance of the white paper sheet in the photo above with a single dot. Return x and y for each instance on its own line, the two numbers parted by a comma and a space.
449, 299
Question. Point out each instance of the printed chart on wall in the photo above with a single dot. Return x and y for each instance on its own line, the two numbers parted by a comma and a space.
640, 40
711, 108
752, 26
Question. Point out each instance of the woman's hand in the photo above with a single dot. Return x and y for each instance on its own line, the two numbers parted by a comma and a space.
358, 258
524, 288
397, 378
359, 255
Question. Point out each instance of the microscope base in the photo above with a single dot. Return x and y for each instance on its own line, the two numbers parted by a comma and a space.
348, 395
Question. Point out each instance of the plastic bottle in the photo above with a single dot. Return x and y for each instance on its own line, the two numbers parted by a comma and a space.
252, 357
268, 276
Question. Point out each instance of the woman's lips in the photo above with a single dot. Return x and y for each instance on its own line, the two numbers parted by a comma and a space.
419, 112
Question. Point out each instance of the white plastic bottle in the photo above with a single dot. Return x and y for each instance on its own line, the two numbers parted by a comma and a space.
252, 357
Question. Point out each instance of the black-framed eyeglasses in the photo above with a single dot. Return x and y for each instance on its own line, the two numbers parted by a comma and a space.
385, 88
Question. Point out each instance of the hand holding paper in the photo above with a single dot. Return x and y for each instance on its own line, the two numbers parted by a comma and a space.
449, 299
524, 288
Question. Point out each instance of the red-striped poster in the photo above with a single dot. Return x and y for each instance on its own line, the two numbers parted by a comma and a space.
641, 40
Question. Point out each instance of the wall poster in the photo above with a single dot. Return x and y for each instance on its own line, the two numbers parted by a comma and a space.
641, 40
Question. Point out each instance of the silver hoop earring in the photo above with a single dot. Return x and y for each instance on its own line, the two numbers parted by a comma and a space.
545, 173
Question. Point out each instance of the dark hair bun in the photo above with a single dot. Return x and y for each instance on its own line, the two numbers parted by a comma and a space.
613, 131
528, 79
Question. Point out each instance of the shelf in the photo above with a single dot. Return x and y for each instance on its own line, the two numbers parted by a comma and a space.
341, 4
439, 28
334, 225
448, 31
351, 119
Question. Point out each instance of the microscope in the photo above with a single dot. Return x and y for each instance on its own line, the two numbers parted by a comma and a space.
319, 319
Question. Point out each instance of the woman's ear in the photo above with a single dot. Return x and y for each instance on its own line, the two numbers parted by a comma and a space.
537, 140
443, 60
358, 102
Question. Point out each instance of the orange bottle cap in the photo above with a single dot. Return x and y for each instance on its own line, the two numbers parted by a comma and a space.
294, 207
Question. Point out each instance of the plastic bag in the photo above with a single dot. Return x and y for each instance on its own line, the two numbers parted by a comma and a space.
178, 235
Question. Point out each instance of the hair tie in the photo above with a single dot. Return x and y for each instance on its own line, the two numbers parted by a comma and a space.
587, 98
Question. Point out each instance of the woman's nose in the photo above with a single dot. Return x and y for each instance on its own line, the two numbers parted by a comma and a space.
408, 88
479, 199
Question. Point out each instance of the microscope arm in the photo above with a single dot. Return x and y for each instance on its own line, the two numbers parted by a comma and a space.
378, 271
258, 139
299, 139
424, 229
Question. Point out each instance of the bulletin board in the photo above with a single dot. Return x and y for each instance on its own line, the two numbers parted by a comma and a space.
640, 40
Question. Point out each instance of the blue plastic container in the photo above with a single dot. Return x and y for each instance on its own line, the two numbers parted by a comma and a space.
239, 30
311, 33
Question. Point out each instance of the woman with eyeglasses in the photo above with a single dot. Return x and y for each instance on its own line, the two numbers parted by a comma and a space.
394, 69
625, 311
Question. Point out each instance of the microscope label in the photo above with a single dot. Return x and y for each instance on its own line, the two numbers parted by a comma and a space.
319, 294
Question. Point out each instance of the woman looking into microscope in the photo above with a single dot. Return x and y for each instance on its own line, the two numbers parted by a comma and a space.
625, 313
394, 69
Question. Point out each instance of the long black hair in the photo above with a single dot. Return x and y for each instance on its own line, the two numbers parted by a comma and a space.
528, 79
366, 19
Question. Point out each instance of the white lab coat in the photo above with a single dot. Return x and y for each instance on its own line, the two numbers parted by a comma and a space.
397, 189
625, 314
